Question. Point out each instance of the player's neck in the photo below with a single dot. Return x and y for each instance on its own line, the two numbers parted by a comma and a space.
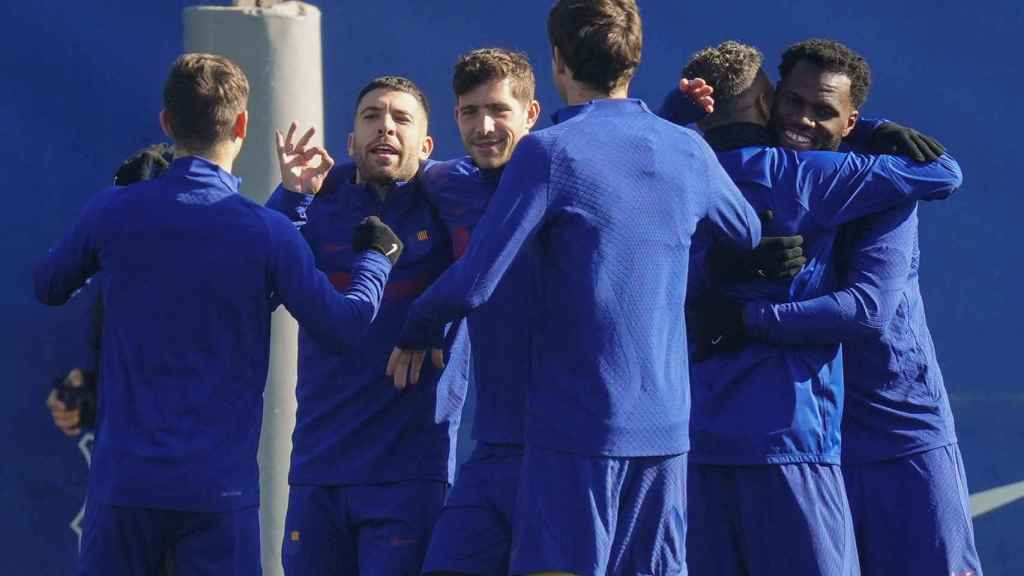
222, 156
580, 93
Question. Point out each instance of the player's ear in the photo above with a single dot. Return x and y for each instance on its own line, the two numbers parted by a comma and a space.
241, 126
532, 114
426, 148
851, 122
165, 123
557, 63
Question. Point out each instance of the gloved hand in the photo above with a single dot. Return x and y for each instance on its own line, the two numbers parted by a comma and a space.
72, 402
777, 257
892, 138
145, 164
372, 234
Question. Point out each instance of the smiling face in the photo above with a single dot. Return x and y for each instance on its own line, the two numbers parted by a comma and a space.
491, 122
390, 136
813, 109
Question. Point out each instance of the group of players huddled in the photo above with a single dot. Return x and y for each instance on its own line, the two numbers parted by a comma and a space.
790, 418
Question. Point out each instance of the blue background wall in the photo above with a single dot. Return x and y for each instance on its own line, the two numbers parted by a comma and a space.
81, 90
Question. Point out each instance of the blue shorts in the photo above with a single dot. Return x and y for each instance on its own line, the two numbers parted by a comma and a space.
474, 533
131, 541
600, 515
912, 515
775, 520
371, 529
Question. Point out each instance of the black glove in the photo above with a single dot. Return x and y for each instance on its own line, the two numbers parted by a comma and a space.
145, 164
777, 257
372, 234
891, 138
81, 398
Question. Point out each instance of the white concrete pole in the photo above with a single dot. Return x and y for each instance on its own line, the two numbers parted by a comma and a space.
278, 47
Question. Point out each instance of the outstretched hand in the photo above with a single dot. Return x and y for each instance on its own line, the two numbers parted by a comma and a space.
404, 365
699, 91
892, 138
298, 172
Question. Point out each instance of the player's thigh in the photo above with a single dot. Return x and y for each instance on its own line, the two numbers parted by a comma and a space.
393, 525
598, 515
567, 512
650, 532
473, 534
795, 519
120, 540
219, 543
317, 539
712, 547
913, 515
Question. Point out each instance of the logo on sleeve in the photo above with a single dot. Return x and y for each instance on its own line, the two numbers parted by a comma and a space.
422, 235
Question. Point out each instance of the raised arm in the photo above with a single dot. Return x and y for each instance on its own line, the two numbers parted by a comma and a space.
879, 264
838, 188
340, 319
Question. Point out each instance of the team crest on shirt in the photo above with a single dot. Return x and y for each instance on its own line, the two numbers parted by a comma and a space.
422, 235
294, 536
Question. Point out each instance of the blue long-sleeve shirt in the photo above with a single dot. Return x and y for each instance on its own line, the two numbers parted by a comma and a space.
764, 403
192, 270
352, 426
499, 330
608, 198
896, 402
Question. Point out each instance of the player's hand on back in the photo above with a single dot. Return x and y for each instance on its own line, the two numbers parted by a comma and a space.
66, 419
699, 91
303, 167
892, 138
405, 365
776, 257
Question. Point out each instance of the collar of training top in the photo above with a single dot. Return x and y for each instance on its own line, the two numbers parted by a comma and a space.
614, 105
199, 168
738, 135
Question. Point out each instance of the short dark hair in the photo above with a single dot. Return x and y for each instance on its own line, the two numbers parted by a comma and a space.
600, 40
730, 68
831, 56
395, 84
203, 96
485, 65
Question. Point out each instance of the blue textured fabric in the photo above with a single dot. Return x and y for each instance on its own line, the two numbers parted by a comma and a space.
762, 402
896, 402
352, 426
372, 530
595, 515
608, 199
912, 515
127, 541
192, 269
499, 330
473, 535
775, 520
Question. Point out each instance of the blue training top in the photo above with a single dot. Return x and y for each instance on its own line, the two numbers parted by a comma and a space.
765, 403
352, 426
896, 402
191, 273
608, 198
499, 330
